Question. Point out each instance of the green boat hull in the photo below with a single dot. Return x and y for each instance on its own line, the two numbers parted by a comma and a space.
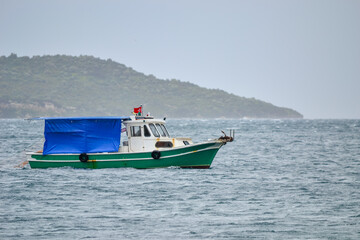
191, 156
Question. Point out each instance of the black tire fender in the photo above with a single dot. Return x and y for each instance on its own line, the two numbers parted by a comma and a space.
156, 154
83, 157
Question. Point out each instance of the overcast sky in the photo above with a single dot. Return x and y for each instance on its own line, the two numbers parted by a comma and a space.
303, 55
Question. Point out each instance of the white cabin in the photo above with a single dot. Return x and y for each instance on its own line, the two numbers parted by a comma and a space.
146, 134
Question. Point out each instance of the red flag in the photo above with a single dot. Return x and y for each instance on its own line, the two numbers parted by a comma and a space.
137, 110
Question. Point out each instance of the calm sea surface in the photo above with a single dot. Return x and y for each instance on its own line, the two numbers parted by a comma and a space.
280, 179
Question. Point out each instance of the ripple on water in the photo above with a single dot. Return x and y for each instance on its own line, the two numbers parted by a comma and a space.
279, 180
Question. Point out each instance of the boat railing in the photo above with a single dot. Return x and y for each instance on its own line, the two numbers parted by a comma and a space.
227, 138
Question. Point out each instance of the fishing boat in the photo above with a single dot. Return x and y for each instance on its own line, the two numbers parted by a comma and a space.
95, 142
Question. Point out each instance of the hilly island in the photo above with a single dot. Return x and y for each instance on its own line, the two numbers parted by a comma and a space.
63, 85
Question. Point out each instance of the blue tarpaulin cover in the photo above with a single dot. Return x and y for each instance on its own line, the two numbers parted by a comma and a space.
82, 135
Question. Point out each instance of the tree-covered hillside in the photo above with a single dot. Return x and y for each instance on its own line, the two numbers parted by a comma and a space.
86, 86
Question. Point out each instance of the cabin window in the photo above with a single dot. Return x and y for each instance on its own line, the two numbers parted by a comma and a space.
146, 131
153, 130
136, 131
163, 145
161, 130
164, 130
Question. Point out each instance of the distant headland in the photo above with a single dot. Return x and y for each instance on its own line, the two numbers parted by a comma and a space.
63, 85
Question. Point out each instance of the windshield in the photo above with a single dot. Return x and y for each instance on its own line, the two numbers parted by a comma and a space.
153, 130
161, 130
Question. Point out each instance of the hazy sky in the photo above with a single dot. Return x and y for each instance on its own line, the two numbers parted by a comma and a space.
299, 54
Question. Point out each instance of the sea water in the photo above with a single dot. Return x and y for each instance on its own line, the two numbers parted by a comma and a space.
280, 179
